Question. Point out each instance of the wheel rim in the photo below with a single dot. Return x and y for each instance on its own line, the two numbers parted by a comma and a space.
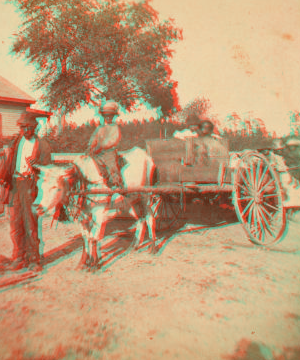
258, 200
166, 209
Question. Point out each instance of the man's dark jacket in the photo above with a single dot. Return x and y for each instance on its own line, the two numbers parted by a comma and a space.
41, 154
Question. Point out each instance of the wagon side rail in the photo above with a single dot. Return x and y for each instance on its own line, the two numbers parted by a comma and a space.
160, 189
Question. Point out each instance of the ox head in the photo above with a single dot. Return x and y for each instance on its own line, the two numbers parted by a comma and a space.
53, 186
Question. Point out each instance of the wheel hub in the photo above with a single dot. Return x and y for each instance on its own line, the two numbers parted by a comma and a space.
258, 198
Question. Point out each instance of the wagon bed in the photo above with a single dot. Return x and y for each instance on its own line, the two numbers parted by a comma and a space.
202, 165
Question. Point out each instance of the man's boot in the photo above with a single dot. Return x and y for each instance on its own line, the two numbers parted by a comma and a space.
18, 264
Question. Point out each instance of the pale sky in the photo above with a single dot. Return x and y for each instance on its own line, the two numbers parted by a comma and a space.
241, 54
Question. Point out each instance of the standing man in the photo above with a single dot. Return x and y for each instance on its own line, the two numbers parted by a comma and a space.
25, 151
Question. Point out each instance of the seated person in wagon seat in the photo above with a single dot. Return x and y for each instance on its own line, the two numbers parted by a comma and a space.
103, 147
196, 128
284, 159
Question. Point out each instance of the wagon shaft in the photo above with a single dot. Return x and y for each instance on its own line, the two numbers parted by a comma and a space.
161, 189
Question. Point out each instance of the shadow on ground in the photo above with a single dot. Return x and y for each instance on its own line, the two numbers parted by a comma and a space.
118, 240
251, 350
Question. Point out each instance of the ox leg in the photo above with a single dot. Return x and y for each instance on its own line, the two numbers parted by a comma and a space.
85, 257
94, 254
139, 234
151, 225
100, 220
150, 220
141, 224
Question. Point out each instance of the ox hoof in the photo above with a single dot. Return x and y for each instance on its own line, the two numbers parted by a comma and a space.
82, 267
95, 264
84, 262
153, 249
95, 267
134, 245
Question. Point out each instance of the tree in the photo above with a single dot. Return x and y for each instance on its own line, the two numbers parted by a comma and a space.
199, 106
233, 123
87, 50
294, 122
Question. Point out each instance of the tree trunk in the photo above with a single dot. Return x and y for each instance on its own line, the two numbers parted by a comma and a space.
61, 123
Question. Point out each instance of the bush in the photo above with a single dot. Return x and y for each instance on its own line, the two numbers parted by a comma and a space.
239, 142
71, 140
75, 140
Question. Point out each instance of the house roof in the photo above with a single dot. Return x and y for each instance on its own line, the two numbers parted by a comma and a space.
39, 113
10, 92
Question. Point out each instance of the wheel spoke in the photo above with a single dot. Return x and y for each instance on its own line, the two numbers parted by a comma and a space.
266, 211
258, 170
268, 225
172, 209
260, 224
164, 205
157, 206
272, 217
243, 187
245, 211
252, 174
158, 222
245, 198
248, 181
262, 177
249, 221
271, 196
248, 166
271, 206
165, 212
254, 227
266, 185
167, 206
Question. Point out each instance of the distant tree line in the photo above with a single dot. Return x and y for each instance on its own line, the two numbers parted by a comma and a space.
73, 140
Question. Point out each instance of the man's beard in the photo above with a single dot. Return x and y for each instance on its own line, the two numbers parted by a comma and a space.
28, 136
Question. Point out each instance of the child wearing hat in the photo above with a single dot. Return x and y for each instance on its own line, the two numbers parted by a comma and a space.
103, 146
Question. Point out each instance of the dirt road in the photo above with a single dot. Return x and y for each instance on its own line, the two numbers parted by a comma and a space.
206, 295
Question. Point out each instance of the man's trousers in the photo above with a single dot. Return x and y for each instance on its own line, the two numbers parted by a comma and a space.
23, 222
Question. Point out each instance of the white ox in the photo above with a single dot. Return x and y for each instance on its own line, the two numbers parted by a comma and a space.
55, 182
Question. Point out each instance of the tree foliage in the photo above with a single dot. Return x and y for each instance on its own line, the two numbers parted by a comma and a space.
245, 125
294, 122
198, 106
86, 50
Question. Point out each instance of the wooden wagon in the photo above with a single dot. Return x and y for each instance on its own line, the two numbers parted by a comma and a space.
201, 168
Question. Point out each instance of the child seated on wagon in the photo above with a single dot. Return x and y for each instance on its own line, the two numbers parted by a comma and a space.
196, 128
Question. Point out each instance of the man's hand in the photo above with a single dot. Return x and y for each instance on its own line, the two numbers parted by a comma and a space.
30, 161
3, 183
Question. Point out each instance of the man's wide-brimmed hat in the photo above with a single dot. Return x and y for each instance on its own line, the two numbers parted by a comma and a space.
111, 108
293, 142
27, 120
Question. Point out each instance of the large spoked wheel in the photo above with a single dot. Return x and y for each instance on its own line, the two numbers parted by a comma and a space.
166, 210
258, 199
